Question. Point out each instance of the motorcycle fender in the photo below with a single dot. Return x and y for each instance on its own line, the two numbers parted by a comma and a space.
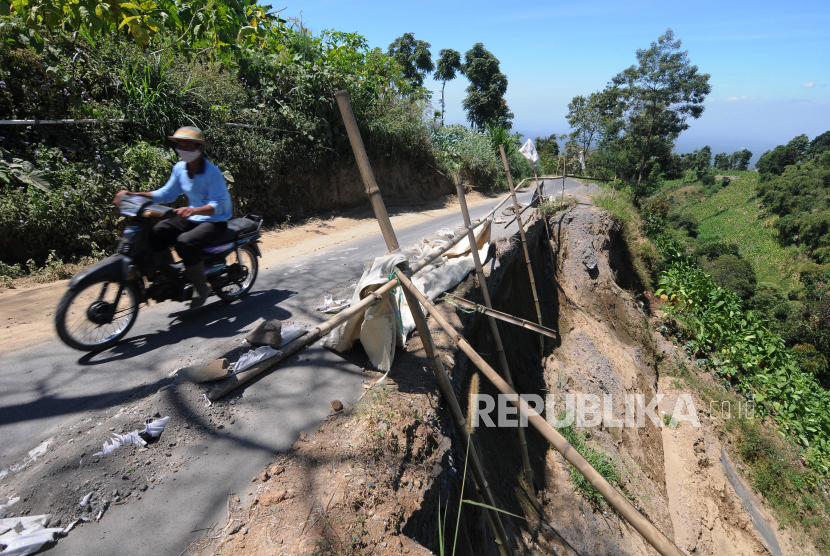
255, 245
113, 267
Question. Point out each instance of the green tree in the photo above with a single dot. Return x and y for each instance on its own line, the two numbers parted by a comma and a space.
722, 161
739, 160
414, 57
585, 119
658, 95
800, 144
485, 95
548, 149
776, 160
818, 145
449, 62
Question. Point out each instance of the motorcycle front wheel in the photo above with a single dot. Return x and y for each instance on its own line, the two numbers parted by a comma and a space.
95, 317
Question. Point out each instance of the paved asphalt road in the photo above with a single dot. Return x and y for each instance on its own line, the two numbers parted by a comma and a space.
49, 384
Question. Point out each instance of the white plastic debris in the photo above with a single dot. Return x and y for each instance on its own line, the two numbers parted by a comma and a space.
255, 356
153, 428
26, 535
330, 306
7, 503
446, 232
289, 334
85, 500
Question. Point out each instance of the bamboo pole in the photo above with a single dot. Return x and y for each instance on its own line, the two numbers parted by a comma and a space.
452, 299
545, 218
617, 501
494, 328
524, 245
421, 324
366, 173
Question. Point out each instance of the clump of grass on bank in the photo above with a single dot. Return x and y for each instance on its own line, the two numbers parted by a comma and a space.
603, 462
642, 252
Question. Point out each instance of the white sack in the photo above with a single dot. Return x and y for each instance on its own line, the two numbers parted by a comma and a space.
378, 327
253, 357
482, 235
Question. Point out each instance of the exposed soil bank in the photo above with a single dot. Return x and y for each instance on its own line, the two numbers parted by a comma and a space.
374, 478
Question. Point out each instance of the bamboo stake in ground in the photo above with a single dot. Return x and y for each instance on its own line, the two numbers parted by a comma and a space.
524, 245
545, 218
494, 328
617, 501
421, 325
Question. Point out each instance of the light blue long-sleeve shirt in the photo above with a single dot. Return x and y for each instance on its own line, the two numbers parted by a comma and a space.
206, 188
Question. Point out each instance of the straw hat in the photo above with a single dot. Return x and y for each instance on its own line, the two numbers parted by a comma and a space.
189, 133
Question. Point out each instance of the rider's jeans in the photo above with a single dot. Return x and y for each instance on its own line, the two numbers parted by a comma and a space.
189, 237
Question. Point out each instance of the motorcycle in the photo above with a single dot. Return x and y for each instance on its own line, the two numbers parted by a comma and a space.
102, 302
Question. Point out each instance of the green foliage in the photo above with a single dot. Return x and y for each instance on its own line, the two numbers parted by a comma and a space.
656, 97
463, 150
548, 150
744, 351
776, 160
585, 118
602, 461
414, 58
519, 166
485, 102
449, 65
732, 272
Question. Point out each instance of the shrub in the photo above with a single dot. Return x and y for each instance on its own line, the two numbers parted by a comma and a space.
708, 179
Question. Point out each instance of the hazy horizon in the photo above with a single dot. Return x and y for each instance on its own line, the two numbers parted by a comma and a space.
768, 60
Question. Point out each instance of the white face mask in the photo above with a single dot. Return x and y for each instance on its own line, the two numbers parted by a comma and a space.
188, 156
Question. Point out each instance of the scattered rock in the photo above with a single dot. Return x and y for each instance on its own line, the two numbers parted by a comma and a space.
235, 529
273, 497
337, 405
276, 469
264, 476
269, 333
303, 436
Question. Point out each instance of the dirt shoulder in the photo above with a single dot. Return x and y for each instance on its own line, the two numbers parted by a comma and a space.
27, 309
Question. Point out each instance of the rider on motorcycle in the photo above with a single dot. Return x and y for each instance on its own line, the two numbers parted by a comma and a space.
202, 221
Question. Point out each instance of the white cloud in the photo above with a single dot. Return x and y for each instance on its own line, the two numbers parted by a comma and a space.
744, 97
809, 85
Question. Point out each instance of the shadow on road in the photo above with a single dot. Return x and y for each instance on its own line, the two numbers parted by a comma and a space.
215, 320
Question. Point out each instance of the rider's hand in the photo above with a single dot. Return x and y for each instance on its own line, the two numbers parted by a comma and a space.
118, 196
184, 212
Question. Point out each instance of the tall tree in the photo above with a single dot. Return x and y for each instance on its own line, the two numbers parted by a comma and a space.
449, 62
414, 57
548, 149
585, 118
658, 94
740, 160
723, 161
485, 96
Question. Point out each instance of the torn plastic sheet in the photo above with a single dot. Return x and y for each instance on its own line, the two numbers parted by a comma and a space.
255, 356
7, 503
332, 306
152, 429
26, 535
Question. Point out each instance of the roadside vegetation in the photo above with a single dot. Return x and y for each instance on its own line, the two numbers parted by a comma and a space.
143, 70
736, 259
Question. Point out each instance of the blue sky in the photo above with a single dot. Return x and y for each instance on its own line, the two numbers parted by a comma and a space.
769, 61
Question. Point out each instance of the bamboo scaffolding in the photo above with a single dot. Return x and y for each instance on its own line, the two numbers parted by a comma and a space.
420, 321
494, 328
465, 303
545, 218
524, 246
617, 501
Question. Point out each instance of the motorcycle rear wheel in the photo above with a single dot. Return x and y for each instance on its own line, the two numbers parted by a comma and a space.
249, 260
92, 319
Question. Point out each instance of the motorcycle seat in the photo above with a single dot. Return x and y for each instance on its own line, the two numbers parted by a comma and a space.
236, 228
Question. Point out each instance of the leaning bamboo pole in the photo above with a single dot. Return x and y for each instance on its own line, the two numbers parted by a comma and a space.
524, 245
494, 328
366, 172
464, 304
617, 501
421, 324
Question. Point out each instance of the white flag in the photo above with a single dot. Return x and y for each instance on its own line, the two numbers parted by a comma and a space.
528, 150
